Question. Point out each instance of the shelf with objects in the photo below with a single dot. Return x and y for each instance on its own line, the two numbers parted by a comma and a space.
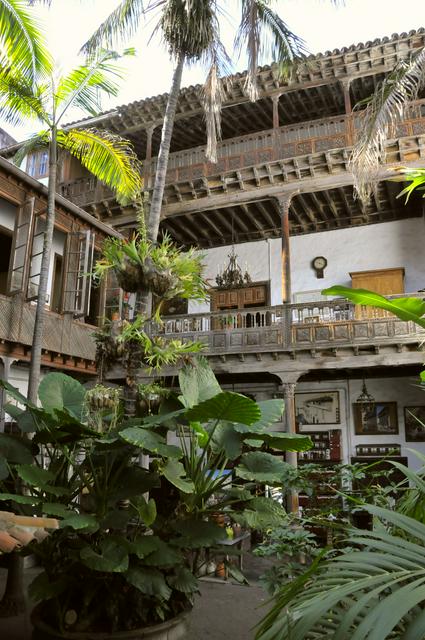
319, 470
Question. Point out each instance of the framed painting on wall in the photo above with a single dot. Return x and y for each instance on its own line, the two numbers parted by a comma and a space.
378, 420
414, 424
317, 407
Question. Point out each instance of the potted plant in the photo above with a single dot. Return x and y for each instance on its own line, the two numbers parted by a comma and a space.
128, 551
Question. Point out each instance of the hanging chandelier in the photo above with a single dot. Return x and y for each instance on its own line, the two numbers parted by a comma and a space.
366, 399
232, 276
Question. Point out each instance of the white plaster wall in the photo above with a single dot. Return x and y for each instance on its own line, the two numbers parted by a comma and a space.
262, 259
401, 390
379, 246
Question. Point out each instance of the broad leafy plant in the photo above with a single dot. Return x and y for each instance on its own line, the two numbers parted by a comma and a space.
133, 535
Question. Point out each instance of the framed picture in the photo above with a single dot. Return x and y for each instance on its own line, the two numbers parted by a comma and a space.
379, 420
414, 424
317, 407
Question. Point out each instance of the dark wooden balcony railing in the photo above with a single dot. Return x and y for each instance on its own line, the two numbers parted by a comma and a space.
62, 334
307, 325
285, 142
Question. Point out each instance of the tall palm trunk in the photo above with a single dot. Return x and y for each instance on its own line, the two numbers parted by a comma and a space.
14, 598
37, 340
164, 151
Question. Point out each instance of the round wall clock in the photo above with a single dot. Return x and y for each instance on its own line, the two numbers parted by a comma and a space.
319, 263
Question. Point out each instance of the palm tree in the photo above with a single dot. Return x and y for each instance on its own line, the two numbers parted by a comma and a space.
190, 29
107, 156
386, 107
21, 41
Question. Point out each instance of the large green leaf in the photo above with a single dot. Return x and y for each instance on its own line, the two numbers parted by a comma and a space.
164, 556
112, 557
59, 391
35, 476
146, 509
175, 473
271, 412
149, 581
227, 439
15, 450
197, 382
19, 499
41, 588
14, 393
404, 308
150, 441
262, 513
197, 533
283, 441
261, 467
57, 509
133, 481
142, 546
228, 406
183, 580
80, 521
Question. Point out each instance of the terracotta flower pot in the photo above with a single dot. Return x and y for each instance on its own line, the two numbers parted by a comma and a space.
175, 629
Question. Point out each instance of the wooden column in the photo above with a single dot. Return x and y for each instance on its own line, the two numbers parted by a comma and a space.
148, 158
291, 456
345, 83
275, 100
283, 203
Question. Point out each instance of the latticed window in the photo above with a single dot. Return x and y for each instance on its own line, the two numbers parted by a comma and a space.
38, 164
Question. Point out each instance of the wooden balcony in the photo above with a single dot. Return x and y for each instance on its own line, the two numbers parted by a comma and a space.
316, 136
64, 338
315, 325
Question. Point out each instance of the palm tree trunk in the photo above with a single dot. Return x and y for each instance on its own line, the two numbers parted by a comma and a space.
164, 151
14, 599
37, 340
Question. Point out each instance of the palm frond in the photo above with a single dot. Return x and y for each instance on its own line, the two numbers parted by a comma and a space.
39, 141
263, 34
386, 107
110, 158
83, 86
21, 41
20, 99
370, 593
118, 27
213, 93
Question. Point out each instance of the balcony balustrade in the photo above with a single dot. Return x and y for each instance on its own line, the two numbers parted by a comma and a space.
265, 146
326, 324
62, 334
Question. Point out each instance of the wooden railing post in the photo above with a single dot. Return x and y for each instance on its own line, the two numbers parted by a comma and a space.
345, 83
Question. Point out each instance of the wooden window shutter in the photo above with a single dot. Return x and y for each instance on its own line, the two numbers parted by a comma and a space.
18, 272
78, 267
113, 296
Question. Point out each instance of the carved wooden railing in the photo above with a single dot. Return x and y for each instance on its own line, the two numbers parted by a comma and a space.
321, 323
265, 146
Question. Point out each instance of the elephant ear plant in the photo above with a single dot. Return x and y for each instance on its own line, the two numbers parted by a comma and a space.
130, 541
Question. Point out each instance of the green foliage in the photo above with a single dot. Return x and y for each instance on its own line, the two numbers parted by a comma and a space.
261, 467
372, 589
21, 42
417, 181
120, 545
404, 308
292, 548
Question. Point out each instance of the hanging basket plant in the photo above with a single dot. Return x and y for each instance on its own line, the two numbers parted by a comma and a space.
163, 269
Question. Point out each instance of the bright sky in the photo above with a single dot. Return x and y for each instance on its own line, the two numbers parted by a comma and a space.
68, 23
